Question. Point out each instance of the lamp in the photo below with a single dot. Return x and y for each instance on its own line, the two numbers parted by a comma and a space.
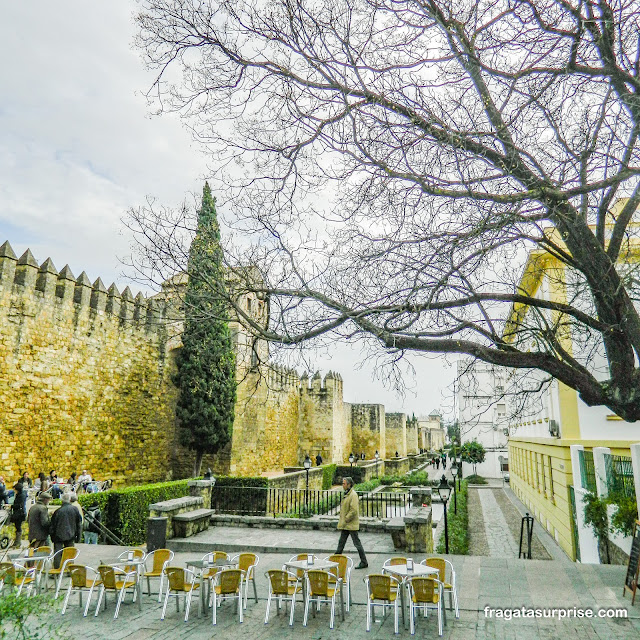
444, 491
307, 465
351, 458
377, 457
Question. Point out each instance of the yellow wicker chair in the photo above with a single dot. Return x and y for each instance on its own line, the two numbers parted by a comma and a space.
319, 590
160, 559
180, 582
248, 562
83, 579
284, 586
118, 581
382, 591
424, 593
449, 586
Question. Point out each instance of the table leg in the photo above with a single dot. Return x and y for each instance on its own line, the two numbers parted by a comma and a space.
402, 586
203, 600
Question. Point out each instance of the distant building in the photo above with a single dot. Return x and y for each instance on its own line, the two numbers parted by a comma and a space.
482, 414
431, 433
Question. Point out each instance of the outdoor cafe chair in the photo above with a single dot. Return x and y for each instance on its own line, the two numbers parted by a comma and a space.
343, 571
283, 586
41, 565
449, 586
209, 573
319, 590
180, 582
248, 562
14, 574
83, 579
424, 593
227, 586
67, 556
382, 591
116, 580
161, 559
390, 562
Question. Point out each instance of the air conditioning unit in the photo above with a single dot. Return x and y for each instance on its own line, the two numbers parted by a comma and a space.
554, 428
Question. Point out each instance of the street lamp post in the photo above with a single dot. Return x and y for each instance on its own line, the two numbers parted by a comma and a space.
377, 457
351, 459
444, 491
307, 466
454, 471
460, 473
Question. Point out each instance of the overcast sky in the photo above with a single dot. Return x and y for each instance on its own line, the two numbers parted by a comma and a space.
78, 147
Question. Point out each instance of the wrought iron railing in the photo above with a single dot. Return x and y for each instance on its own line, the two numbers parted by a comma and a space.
587, 471
620, 475
299, 503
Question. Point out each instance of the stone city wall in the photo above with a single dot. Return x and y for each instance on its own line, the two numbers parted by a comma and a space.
396, 434
84, 383
368, 429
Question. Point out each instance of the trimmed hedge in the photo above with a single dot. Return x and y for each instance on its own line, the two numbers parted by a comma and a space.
458, 525
328, 472
125, 511
231, 481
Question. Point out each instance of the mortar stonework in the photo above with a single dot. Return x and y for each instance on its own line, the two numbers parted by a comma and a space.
86, 383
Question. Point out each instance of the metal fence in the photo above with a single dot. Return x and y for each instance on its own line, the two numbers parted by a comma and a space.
620, 475
587, 470
298, 503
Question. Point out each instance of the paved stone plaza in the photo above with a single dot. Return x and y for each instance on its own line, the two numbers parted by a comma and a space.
482, 581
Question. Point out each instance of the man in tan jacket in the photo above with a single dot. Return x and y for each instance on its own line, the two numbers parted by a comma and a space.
349, 521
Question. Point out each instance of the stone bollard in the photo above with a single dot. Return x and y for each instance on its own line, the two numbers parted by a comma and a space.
418, 530
420, 496
202, 488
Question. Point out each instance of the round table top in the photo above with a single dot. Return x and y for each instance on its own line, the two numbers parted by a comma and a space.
403, 571
305, 566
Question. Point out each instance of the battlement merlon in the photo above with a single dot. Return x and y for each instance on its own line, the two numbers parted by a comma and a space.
22, 276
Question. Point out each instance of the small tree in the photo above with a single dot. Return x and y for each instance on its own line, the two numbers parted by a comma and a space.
474, 453
206, 363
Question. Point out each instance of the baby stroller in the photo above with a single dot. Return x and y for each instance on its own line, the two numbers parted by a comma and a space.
5, 521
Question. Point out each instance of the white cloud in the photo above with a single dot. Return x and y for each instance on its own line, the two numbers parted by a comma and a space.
78, 147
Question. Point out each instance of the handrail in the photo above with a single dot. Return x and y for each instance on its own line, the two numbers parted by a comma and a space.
104, 530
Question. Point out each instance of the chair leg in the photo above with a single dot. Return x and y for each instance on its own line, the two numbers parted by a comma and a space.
160, 588
215, 606
148, 586
255, 589
100, 596
166, 601
306, 610
293, 603
187, 605
120, 599
333, 612
66, 598
368, 614
455, 602
266, 615
440, 607
240, 605
412, 623
86, 609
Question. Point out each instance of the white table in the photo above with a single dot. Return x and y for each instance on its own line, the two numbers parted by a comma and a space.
401, 572
138, 564
320, 565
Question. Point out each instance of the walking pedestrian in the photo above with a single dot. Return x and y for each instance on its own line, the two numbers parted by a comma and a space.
349, 521
19, 510
39, 521
4, 496
66, 527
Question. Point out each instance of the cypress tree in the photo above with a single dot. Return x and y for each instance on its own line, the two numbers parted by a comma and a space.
206, 363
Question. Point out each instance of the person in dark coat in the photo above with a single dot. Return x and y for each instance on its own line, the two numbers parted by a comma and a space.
39, 521
318, 460
19, 510
4, 496
66, 527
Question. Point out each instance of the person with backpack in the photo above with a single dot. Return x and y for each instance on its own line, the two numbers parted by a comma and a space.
91, 525
19, 511
66, 527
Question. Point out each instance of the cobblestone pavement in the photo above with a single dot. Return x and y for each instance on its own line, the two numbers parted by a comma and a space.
499, 539
477, 537
482, 582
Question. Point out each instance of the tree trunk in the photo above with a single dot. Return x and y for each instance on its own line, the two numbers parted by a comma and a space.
197, 465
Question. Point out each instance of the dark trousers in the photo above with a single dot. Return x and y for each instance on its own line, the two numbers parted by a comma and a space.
344, 534
56, 547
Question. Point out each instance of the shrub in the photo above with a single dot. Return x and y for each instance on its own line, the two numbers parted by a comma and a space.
458, 525
369, 485
343, 471
228, 494
26, 618
328, 472
476, 479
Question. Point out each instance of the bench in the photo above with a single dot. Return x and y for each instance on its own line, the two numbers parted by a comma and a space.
395, 527
169, 509
192, 522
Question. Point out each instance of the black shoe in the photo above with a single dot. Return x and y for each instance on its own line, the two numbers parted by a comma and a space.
362, 565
